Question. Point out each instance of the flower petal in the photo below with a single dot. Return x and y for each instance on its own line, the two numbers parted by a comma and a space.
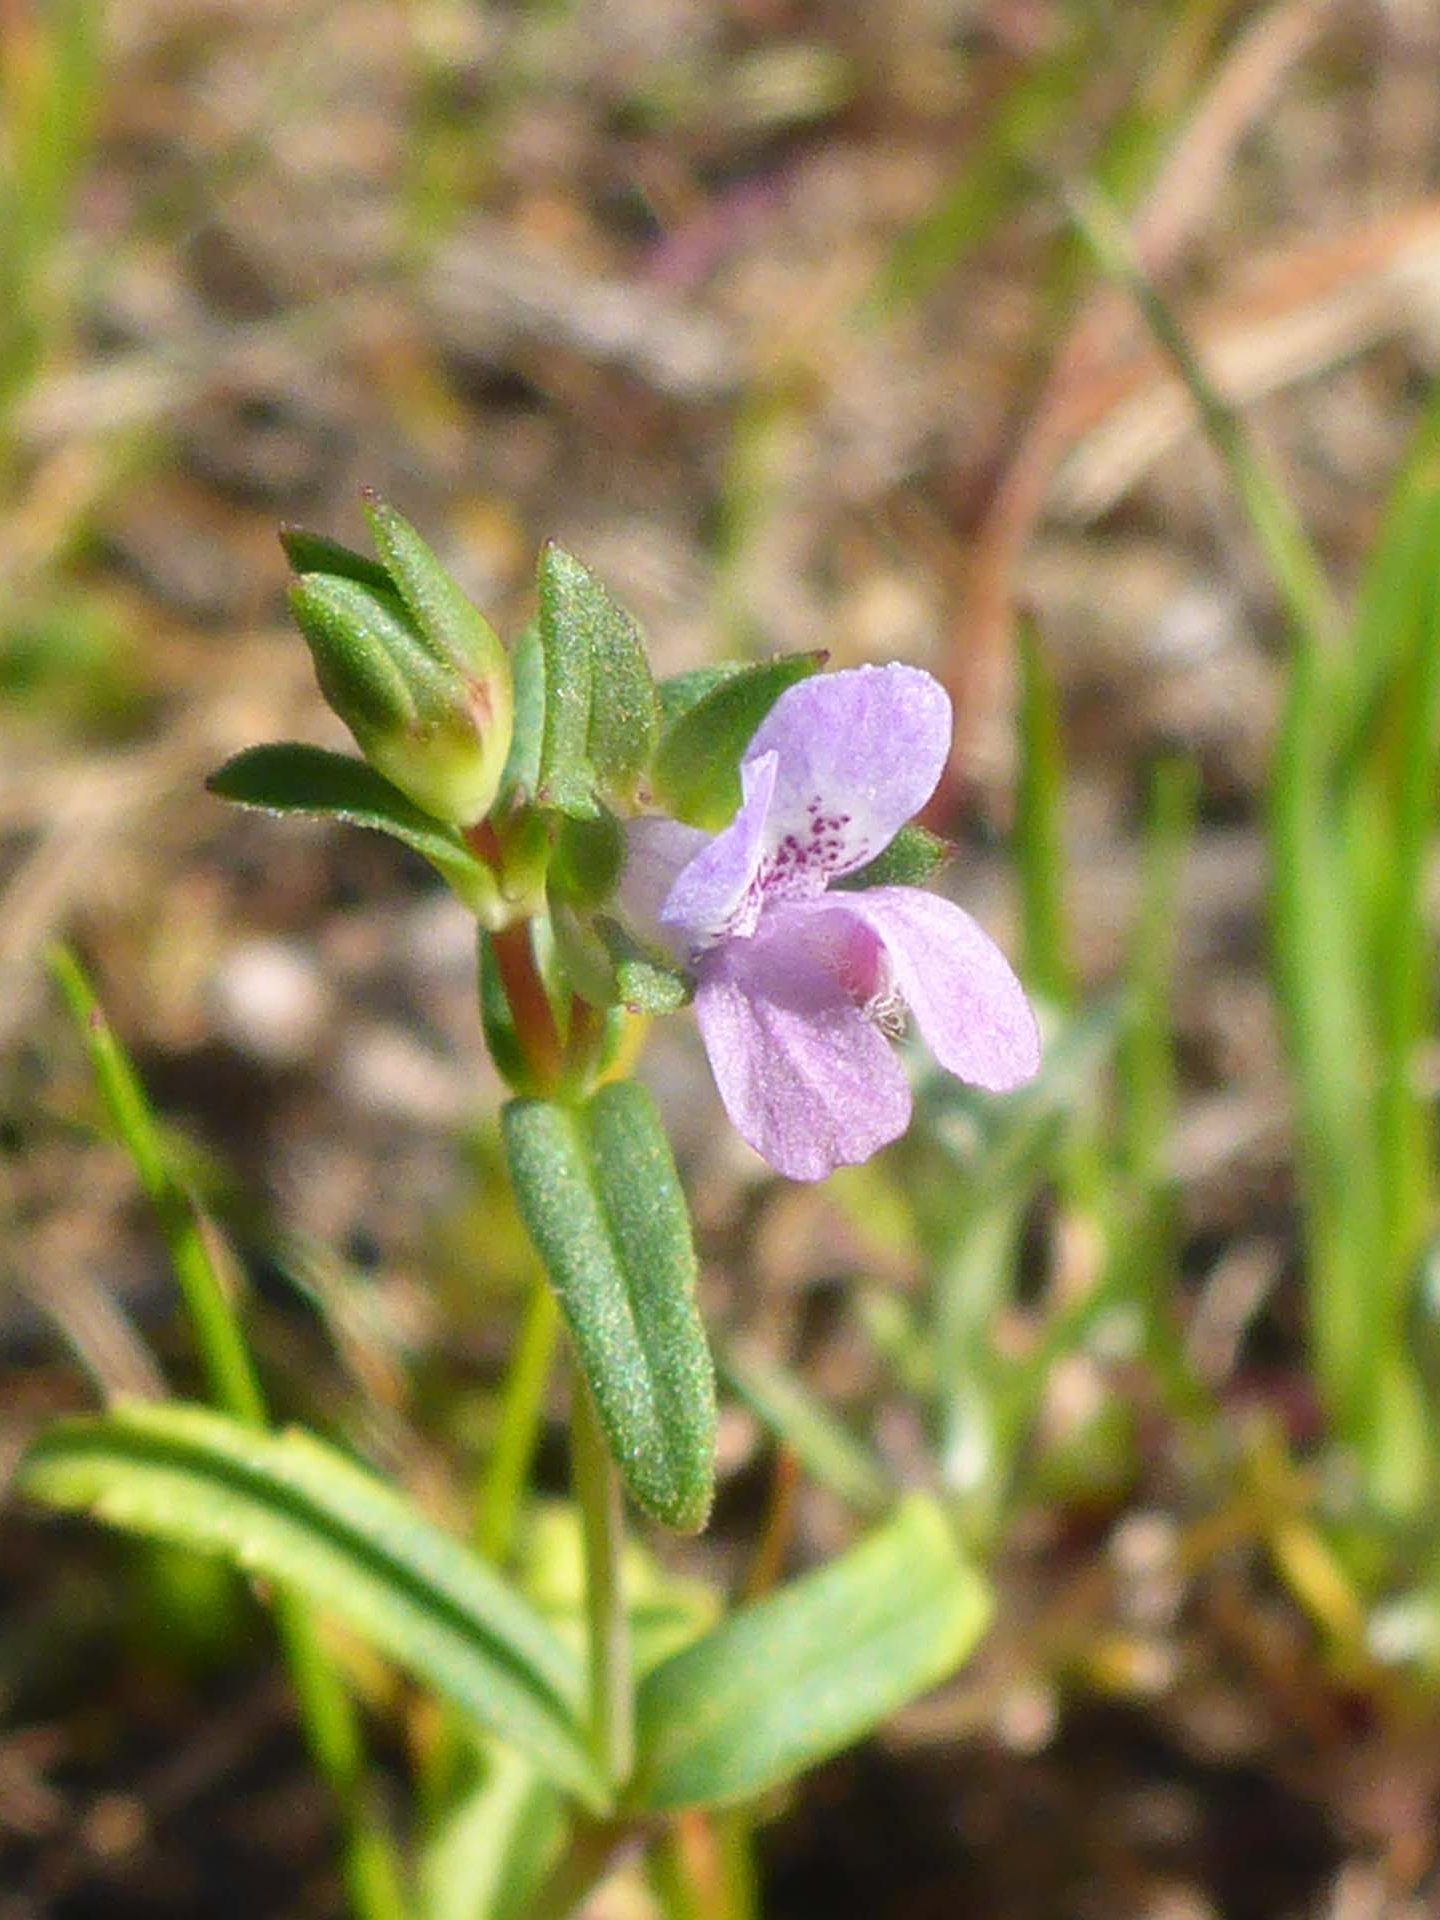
806, 1079
966, 1000
718, 893
656, 851
859, 754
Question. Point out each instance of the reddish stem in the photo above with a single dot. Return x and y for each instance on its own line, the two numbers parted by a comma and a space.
530, 1007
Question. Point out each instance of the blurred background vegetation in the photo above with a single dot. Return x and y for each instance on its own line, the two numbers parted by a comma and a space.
805, 324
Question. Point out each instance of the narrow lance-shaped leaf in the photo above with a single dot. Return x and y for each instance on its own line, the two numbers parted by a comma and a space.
684, 690
310, 552
291, 777
601, 714
783, 1684
489, 1853
597, 1188
818, 1438
521, 776
286, 1507
444, 615
696, 772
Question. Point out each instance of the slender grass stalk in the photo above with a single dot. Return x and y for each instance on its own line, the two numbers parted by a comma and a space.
1146, 1054
230, 1375
50, 70
1345, 859
1296, 571
328, 1716
1143, 1230
1039, 849
522, 1409
1042, 872
612, 1676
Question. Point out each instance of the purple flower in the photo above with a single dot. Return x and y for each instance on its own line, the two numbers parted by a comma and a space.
799, 988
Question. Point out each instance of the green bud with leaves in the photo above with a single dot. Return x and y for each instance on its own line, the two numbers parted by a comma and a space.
411, 667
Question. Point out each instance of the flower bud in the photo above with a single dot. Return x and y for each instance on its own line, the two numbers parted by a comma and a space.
409, 665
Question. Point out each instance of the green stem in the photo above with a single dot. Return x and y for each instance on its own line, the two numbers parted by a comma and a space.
521, 1410
612, 1679
328, 1716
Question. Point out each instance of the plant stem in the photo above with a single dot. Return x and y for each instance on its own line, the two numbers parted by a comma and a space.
328, 1717
530, 1008
521, 1408
612, 1679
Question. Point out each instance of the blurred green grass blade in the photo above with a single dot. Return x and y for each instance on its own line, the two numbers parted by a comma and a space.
973, 1195
791, 1679
332, 1727
1402, 945
972, 1287
1387, 780
1042, 872
822, 1443
522, 1408
1389, 798
489, 1853
49, 99
1319, 937
1145, 1060
1386, 602
1295, 569
287, 1507
1039, 846
1000, 1144
224, 1355
1353, 815
993, 177
49, 87
1318, 959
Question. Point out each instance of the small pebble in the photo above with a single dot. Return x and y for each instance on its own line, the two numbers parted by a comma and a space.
269, 1000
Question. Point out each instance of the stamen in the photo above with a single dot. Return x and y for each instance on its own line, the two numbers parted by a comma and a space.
887, 1011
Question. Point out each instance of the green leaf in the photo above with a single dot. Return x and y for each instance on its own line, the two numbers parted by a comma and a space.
645, 981
597, 1188
683, 690
912, 857
489, 1854
820, 1441
290, 777
522, 768
785, 1683
587, 861
446, 617
286, 1507
374, 669
310, 552
601, 712
696, 772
